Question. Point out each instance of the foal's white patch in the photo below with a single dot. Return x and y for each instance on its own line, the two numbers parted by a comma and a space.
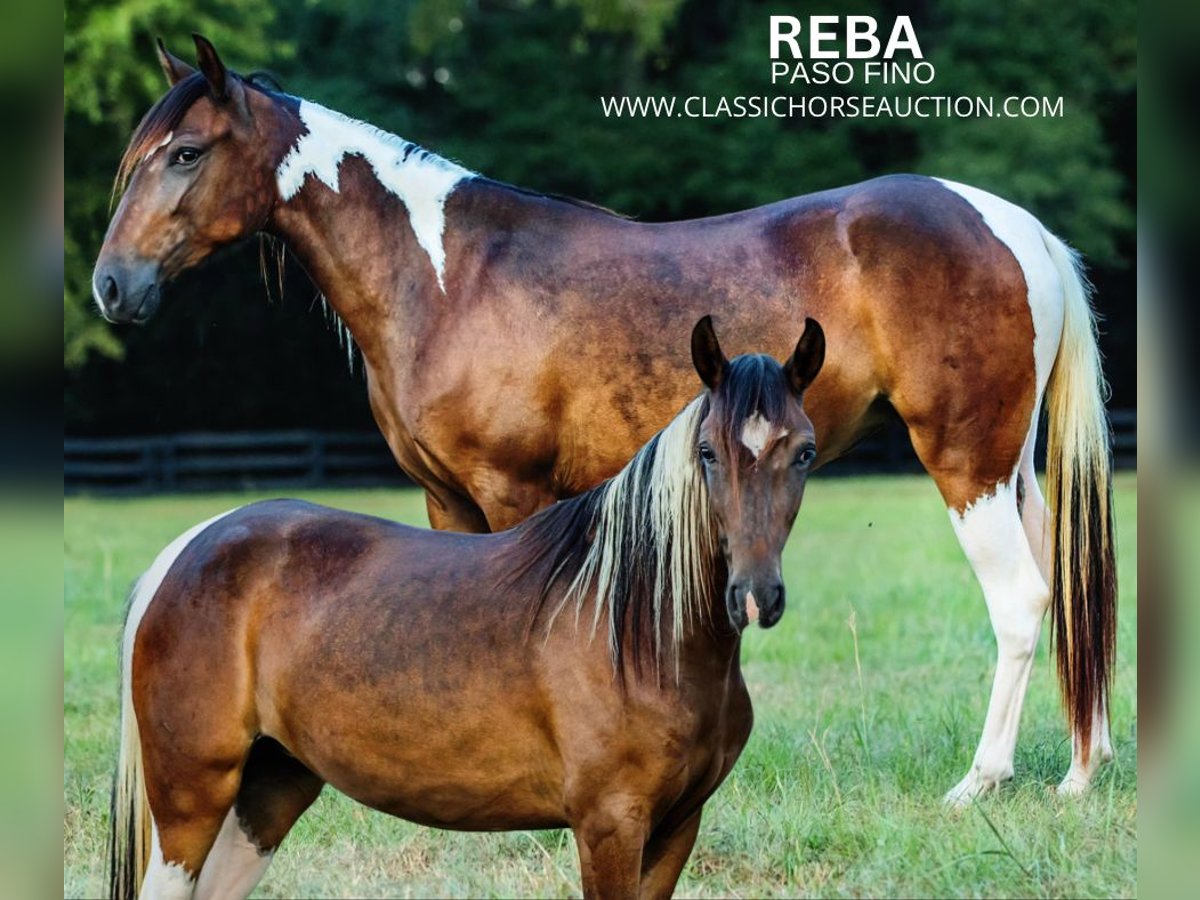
234, 865
165, 880
757, 432
1024, 237
421, 180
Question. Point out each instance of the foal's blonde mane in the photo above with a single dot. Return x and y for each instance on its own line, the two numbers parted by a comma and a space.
652, 539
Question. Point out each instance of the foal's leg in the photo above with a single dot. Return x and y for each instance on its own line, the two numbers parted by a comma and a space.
276, 789
611, 837
188, 804
665, 856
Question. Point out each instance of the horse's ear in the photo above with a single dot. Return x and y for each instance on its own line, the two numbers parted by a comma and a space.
212, 67
807, 358
707, 357
173, 67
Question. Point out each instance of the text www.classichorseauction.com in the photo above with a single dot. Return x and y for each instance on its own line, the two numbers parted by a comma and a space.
873, 65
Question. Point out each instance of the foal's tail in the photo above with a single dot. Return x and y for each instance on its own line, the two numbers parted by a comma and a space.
129, 821
1079, 487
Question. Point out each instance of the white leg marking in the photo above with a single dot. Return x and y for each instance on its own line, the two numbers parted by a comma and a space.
165, 880
234, 866
420, 179
994, 541
757, 432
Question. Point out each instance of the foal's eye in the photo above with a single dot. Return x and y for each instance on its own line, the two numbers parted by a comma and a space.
806, 456
185, 156
706, 454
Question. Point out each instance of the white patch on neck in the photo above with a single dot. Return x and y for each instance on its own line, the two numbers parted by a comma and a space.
757, 432
421, 180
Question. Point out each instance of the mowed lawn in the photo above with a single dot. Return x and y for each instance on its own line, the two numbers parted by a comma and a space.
839, 790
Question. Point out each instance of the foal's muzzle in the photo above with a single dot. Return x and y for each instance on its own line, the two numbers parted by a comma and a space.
758, 599
126, 292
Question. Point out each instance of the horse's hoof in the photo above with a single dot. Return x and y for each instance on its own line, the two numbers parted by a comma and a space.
1074, 785
974, 785
964, 793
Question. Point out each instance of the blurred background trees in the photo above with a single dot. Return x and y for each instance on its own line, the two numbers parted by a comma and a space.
511, 89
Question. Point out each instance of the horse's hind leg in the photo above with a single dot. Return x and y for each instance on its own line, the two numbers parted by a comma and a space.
984, 510
994, 541
275, 791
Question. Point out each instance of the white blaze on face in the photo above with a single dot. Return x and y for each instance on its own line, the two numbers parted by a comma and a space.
421, 180
757, 433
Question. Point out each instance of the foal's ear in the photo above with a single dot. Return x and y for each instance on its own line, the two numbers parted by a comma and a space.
707, 357
807, 358
173, 67
212, 67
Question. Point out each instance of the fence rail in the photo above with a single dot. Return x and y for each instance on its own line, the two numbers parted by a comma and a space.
276, 459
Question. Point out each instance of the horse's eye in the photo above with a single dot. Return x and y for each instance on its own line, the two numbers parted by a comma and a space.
185, 156
706, 454
806, 456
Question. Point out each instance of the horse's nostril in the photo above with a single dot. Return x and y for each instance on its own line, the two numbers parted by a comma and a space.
110, 289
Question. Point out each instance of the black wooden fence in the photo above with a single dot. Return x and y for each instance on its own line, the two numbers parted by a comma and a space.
289, 459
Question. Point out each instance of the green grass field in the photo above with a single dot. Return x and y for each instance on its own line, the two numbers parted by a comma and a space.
839, 790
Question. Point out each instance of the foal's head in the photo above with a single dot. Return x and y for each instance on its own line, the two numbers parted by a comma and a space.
756, 447
197, 175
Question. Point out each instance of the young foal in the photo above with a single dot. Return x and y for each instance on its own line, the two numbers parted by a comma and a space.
446, 678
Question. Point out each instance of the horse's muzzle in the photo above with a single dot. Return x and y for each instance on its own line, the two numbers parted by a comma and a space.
755, 599
126, 292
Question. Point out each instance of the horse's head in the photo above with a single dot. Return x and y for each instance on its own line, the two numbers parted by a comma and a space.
756, 448
197, 175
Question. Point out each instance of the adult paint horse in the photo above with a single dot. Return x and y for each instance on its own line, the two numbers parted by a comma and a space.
452, 679
519, 348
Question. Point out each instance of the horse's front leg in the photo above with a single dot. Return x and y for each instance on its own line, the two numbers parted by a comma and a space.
665, 856
611, 837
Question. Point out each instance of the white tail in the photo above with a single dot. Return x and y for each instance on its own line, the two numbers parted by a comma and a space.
1079, 488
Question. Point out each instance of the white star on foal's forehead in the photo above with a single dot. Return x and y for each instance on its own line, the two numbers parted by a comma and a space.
758, 432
